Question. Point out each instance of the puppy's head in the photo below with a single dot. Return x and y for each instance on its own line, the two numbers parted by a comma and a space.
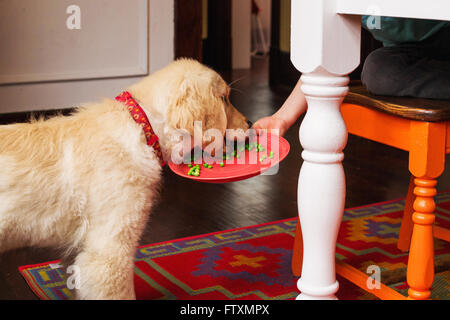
200, 103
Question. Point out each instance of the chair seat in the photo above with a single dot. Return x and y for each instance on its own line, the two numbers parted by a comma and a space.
411, 108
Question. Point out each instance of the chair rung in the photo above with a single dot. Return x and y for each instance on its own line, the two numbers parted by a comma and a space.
441, 233
360, 279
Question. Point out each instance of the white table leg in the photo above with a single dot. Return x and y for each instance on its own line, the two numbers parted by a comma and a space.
321, 186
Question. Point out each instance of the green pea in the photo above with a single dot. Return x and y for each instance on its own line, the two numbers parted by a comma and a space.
259, 148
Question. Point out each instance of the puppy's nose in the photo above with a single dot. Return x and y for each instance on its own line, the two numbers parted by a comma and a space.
250, 124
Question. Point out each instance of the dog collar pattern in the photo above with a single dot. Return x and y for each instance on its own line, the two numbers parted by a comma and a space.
138, 114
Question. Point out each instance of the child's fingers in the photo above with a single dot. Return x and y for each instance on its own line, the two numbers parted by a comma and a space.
257, 125
270, 124
259, 130
263, 123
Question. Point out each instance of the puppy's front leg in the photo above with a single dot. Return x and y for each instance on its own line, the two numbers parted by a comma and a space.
106, 275
106, 260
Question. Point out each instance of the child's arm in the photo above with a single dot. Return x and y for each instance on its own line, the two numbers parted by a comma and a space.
285, 117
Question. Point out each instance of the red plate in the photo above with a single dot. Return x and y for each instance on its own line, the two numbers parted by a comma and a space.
247, 166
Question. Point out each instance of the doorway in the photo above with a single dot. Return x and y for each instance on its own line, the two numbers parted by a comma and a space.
223, 34
203, 32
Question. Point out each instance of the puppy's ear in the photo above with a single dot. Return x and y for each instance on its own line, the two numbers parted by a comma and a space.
220, 88
185, 108
196, 101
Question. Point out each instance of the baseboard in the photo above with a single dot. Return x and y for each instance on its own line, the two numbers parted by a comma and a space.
21, 117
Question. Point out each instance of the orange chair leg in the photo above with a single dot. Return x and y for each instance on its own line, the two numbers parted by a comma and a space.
426, 163
421, 255
406, 229
297, 255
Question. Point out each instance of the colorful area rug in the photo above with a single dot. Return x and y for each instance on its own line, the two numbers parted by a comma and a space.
255, 262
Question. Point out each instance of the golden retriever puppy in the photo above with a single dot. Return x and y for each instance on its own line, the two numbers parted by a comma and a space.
86, 182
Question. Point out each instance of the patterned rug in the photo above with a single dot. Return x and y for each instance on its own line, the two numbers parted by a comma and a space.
255, 262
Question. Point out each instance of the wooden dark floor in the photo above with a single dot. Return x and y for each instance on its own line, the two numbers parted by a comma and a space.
374, 173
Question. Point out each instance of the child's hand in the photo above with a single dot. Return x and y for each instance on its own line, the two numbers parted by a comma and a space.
271, 123
294, 106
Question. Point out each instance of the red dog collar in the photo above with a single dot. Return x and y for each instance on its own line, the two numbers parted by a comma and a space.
138, 114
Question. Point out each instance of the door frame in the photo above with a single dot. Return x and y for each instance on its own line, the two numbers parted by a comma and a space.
188, 29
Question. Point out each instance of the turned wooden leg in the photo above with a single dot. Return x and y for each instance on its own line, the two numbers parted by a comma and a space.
421, 256
404, 237
325, 47
297, 254
321, 185
426, 163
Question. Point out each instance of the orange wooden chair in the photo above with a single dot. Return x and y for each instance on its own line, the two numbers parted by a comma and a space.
421, 127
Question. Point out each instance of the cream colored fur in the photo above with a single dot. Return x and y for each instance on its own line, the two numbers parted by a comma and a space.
86, 183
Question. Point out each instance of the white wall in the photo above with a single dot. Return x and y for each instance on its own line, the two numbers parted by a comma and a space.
265, 16
241, 34
42, 95
162, 33
243, 26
